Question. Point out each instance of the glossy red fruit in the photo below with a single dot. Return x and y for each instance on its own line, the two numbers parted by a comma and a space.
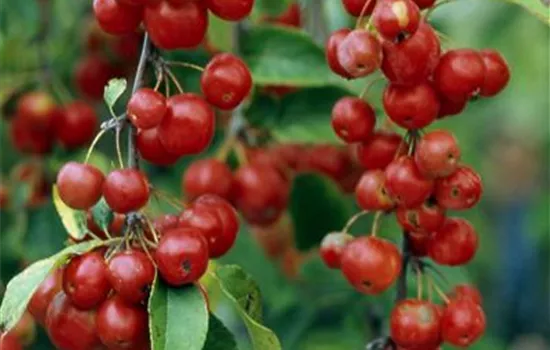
497, 73
151, 149
224, 240
428, 217
379, 150
405, 183
226, 81
467, 291
79, 185
121, 325
419, 243
461, 190
70, 328
411, 61
9, 341
230, 10
371, 193
463, 322
329, 160
204, 219
355, 7
360, 53
415, 324
28, 140
44, 295
459, 74
117, 18
38, 109
127, 46
182, 256
24, 330
396, 20
449, 107
455, 243
146, 108
207, 176
188, 126
176, 26
371, 264
353, 119
291, 17
85, 280
437, 154
131, 273
166, 222
126, 190
332, 247
260, 193
411, 107
423, 4
76, 125
331, 52
91, 74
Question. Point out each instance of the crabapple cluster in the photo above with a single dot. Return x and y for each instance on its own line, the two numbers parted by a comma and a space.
419, 177
171, 24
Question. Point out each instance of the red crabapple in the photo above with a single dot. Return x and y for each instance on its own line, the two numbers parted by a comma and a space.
459, 74
413, 107
353, 119
207, 176
460, 190
405, 183
146, 108
371, 193
79, 185
437, 154
455, 243
396, 20
332, 247
379, 150
360, 53
126, 190
497, 73
331, 52
463, 322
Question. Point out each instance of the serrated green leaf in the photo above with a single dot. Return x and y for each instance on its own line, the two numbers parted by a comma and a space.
178, 317
317, 207
238, 288
103, 215
114, 89
538, 8
283, 56
219, 337
20, 289
73, 220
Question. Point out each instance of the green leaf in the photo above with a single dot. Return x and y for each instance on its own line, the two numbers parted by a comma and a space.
178, 317
305, 116
270, 7
538, 8
21, 194
284, 56
114, 89
240, 290
220, 33
264, 111
219, 337
73, 220
20, 289
102, 215
317, 207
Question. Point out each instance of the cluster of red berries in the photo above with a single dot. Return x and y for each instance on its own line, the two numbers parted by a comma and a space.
418, 177
21, 335
171, 24
39, 122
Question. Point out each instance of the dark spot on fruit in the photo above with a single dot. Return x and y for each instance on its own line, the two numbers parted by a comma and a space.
455, 192
186, 265
367, 284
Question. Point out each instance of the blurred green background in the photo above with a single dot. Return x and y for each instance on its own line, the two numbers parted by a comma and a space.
506, 138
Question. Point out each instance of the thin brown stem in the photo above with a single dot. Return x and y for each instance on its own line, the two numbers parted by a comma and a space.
353, 219
376, 223
185, 64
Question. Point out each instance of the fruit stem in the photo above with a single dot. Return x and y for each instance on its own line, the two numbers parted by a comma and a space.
362, 14
441, 294
94, 142
402, 281
174, 79
353, 219
369, 86
419, 282
185, 64
376, 223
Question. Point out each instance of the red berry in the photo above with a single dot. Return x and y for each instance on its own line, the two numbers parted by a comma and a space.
331, 52
38, 109
459, 74
70, 328
91, 74
226, 81
85, 280
146, 108
415, 324
207, 176
419, 243
139, 2
126, 190
360, 53
291, 17
461, 190
423, 4
411, 107
79, 185
176, 26
455, 243
449, 107
353, 119
371, 193
467, 291
463, 322
44, 295
329, 160
405, 183
76, 125
188, 126
230, 10
332, 247
117, 18
206, 220
437, 154
260, 193
131, 274
121, 325
151, 149
411, 61
379, 150
165, 223
426, 218
396, 20
355, 7
9, 341
29, 140
497, 73
182, 256
371, 264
